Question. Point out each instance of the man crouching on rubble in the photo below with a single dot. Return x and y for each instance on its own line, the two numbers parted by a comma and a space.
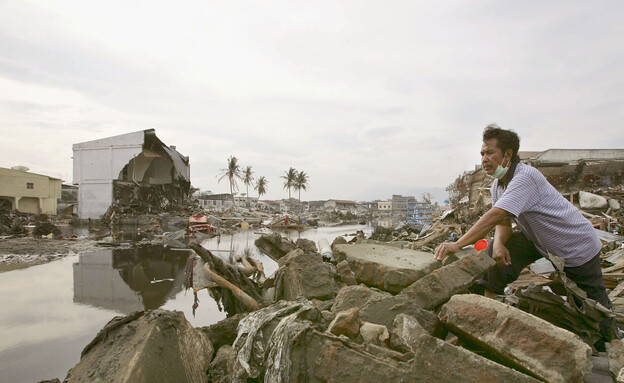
547, 222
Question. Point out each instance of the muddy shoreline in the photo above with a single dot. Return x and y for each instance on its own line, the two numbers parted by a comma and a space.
22, 252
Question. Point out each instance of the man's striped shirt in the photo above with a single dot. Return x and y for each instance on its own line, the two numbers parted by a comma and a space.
549, 220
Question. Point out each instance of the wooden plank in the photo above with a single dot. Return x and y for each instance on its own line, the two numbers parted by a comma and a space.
616, 291
618, 266
612, 276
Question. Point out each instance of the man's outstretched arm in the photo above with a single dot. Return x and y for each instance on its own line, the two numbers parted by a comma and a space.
481, 228
502, 233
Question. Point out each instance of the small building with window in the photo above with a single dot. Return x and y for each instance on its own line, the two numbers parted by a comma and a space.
218, 202
29, 192
384, 205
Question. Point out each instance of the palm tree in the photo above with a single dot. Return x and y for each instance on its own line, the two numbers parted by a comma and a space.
247, 178
301, 182
261, 186
232, 172
289, 178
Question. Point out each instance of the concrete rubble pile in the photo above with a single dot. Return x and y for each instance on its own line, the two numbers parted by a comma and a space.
390, 314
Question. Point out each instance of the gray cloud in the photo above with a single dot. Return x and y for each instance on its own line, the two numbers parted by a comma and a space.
368, 99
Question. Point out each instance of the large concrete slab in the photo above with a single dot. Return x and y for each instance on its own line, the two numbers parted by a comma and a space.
159, 346
460, 365
386, 267
438, 361
305, 275
519, 339
437, 287
322, 357
274, 245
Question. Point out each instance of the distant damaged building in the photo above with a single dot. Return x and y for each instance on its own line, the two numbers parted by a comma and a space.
573, 169
134, 170
399, 203
568, 170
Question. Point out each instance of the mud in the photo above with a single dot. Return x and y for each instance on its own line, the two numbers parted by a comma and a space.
21, 252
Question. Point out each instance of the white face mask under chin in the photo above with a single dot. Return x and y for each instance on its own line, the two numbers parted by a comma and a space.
500, 171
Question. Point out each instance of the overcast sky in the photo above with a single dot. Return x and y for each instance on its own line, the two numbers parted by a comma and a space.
370, 98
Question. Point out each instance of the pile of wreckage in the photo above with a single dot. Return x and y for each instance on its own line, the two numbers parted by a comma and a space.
15, 223
364, 311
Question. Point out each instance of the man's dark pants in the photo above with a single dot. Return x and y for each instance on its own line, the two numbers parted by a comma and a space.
523, 252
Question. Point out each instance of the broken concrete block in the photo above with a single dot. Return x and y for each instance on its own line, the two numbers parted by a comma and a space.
438, 361
384, 310
592, 201
328, 315
407, 335
381, 308
405, 332
519, 339
328, 359
346, 323
274, 245
223, 332
155, 346
355, 296
286, 258
306, 245
320, 357
374, 333
437, 287
338, 241
386, 267
346, 275
306, 275
615, 353
268, 294
221, 367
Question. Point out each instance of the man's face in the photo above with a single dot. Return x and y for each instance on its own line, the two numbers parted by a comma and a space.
492, 156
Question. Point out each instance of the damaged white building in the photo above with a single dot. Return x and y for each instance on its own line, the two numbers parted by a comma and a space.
133, 169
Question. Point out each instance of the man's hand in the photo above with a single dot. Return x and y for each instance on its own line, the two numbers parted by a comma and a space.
501, 255
446, 248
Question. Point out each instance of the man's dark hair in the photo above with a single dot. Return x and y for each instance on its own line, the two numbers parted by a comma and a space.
505, 139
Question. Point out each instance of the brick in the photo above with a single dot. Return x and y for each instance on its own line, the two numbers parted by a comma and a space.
346, 323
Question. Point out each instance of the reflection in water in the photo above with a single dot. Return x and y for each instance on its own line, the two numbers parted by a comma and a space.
128, 280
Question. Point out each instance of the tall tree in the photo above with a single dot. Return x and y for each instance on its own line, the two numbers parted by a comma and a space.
261, 186
289, 179
232, 172
301, 182
247, 178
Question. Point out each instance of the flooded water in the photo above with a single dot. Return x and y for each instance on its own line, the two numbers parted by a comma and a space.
51, 311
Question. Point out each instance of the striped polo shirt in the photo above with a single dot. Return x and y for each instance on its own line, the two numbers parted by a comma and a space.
547, 219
